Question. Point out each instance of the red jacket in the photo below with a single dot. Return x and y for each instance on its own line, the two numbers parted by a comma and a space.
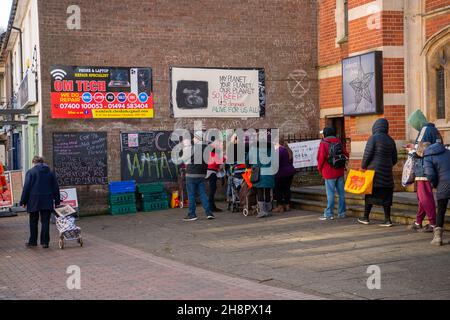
215, 162
325, 169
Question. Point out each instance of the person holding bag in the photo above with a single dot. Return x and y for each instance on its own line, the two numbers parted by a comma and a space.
427, 133
380, 155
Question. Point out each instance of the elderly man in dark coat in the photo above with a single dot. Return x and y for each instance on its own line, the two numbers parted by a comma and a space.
40, 195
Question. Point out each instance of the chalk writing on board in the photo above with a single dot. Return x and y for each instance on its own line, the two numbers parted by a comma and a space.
80, 158
149, 159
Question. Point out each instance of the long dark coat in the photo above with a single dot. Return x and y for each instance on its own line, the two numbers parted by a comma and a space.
41, 190
380, 155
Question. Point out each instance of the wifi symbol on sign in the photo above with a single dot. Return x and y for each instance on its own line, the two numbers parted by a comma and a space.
58, 74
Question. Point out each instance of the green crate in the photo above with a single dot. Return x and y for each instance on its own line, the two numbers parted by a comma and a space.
150, 187
122, 209
152, 197
122, 198
153, 206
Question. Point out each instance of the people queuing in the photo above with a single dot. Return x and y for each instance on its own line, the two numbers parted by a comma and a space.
380, 155
437, 170
427, 133
331, 160
265, 180
195, 177
213, 173
284, 177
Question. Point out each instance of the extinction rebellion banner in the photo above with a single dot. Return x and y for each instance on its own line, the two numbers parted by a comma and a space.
101, 92
217, 92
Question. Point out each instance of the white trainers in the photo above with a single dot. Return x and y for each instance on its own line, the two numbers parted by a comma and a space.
323, 218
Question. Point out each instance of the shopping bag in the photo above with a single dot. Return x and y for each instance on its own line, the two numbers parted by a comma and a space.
246, 176
408, 175
359, 182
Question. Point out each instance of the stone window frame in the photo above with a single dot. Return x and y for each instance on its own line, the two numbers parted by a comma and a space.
437, 56
341, 20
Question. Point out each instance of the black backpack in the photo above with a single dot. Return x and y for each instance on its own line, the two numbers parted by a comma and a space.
336, 157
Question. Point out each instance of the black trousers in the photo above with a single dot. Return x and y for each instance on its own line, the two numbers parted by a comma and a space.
263, 194
45, 227
442, 208
282, 191
368, 208
212, 190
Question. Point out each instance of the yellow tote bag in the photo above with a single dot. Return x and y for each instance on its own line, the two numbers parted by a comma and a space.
359, 182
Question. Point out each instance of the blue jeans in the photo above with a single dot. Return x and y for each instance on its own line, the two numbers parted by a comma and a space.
192, 185
332, 185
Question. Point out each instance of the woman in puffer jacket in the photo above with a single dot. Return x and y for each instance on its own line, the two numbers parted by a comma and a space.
380, 155
437, 170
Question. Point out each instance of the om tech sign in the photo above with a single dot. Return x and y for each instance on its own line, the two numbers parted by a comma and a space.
101, 92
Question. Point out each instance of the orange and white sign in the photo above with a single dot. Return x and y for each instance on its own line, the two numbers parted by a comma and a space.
69, 196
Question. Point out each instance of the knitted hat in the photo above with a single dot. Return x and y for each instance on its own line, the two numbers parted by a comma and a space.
328, 131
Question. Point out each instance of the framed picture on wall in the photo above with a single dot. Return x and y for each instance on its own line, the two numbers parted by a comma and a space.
362, 84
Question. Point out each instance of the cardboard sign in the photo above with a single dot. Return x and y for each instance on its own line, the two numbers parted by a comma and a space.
217, 92
305, 153
69, 197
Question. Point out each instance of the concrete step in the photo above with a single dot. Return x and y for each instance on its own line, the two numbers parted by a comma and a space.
377, 213
403, 201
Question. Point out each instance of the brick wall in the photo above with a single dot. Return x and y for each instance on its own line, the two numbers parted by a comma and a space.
434, 24
365, 33
431, 5
277, 35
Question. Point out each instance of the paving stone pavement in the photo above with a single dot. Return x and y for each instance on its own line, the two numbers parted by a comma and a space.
110, 270
293, 250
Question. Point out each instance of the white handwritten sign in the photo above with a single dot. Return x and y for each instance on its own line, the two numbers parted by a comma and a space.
217, 92
305, 153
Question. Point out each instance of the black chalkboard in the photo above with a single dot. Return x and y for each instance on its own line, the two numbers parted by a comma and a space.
80, 158
146, 157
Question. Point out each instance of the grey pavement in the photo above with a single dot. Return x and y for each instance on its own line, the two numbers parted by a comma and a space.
109, 270
293, 251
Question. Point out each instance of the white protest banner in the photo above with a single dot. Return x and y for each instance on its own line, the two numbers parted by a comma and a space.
217, 92
69, 196
305, 153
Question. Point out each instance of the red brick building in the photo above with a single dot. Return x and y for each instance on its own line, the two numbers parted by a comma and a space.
279, 36
414, 38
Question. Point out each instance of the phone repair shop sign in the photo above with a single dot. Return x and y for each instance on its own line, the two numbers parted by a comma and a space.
101, 92
69, 197
305, 153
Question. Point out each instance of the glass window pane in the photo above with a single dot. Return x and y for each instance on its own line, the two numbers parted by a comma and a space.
440, 94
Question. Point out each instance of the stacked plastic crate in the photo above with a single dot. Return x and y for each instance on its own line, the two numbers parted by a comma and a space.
152, 196
122, 197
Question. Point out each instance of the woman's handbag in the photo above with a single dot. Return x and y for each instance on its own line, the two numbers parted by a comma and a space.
359, 182
256, 171
408, 175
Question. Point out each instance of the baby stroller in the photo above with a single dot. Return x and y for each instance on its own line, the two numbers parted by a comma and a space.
68, 231
247, 196
234, 183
